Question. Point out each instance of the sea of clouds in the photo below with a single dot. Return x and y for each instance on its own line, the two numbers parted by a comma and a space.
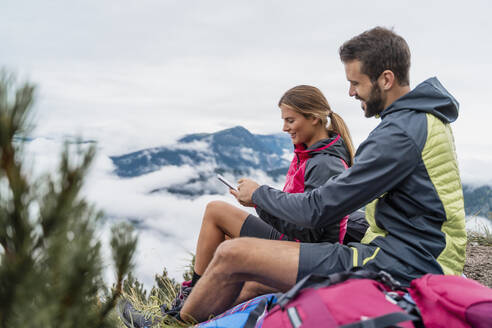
167, 225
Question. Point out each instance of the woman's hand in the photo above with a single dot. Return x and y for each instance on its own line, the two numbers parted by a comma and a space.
246, 188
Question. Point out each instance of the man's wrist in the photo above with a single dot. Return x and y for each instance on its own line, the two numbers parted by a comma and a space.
253, 198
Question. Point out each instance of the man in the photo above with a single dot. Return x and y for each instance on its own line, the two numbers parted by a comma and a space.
405, 173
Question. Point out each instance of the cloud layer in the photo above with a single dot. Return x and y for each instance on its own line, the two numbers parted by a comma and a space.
168, 226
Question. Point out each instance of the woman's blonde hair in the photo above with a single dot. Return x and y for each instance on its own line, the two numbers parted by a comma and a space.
310, 102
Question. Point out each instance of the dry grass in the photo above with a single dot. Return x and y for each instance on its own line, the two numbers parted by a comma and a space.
152, 305
163, 292
483, 237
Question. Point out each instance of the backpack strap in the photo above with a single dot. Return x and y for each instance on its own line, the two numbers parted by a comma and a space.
309, 281
254, 315
386, 320
316, 312
260, 310
317, 281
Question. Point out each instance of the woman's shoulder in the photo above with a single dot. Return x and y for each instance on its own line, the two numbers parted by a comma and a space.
325, 160
332, 146
323, 143
321, 168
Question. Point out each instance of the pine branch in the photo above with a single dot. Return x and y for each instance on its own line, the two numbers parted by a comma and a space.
14, 218
123, 245
51, 267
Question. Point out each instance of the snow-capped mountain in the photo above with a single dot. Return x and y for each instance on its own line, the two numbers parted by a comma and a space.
233, 152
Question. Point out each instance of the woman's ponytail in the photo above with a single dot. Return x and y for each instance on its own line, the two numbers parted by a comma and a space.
337, 125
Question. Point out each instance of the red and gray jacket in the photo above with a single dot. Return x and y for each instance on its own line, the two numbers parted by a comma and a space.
310, 168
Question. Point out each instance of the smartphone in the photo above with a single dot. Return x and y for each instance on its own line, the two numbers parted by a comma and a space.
224, 181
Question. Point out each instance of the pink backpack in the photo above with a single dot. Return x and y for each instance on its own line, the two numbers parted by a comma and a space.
358, 299
452, 301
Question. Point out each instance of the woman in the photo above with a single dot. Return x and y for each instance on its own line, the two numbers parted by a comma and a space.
321, 151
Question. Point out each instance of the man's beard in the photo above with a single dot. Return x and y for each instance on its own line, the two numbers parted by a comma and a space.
375, 103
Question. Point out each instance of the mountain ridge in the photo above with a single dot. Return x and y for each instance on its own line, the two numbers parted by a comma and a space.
237, 152
234, 149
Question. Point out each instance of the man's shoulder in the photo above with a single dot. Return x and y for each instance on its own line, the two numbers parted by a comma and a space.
403, 115
411, 122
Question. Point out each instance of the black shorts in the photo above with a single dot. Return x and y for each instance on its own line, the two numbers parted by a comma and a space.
253, 226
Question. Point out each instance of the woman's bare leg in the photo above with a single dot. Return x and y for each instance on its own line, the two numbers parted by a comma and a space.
220, 220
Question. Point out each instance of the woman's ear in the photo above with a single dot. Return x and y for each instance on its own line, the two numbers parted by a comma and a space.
315, 120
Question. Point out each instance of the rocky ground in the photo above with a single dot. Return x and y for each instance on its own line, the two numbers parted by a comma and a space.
478, 265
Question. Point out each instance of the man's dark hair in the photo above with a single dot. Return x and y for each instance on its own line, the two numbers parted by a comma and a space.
379, 49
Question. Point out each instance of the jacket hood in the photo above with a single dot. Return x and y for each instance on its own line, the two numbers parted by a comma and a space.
334, 146
430, 97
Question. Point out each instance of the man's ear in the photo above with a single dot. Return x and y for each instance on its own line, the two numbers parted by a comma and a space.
387, 80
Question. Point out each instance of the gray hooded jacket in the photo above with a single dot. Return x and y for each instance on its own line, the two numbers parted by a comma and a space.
406, 173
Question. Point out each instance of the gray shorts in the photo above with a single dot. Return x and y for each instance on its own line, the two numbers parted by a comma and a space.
318, 258
323, 259
327, 258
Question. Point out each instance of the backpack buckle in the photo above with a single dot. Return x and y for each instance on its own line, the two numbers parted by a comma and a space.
387, 279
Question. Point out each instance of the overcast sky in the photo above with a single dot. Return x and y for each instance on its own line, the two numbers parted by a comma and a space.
136, 74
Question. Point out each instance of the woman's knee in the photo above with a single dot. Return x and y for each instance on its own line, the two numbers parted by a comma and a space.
213, 210
225, 216
214, 206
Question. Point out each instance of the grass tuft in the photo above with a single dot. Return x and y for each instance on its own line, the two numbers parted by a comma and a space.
163, 292
481, 237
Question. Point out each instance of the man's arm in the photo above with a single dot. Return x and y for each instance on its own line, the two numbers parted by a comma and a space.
318, 170
386, 158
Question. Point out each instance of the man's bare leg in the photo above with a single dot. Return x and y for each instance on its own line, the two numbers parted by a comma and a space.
219, 220
252, 289
269, 262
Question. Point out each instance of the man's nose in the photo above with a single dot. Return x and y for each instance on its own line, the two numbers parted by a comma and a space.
352, 91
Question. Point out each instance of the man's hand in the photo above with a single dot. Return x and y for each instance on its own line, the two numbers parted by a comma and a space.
246, 188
